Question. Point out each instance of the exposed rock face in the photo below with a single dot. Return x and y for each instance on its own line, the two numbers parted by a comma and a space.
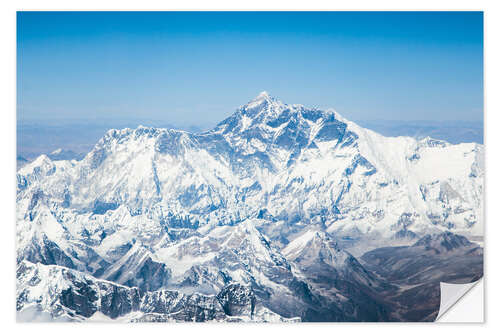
237, 300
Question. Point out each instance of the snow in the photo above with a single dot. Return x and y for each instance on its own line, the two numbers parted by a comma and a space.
456, 165
99, 317
33, 314
245, 123
299, 243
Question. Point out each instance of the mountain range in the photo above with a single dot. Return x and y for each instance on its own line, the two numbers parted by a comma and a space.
279, 213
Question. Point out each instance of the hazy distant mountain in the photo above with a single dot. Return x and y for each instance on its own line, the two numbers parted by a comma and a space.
451, 131
20, 161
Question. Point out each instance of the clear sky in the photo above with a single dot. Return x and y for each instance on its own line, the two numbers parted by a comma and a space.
196, 68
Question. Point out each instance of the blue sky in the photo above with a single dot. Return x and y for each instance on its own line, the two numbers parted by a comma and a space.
196, 68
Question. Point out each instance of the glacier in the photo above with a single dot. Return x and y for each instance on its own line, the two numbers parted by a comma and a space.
291, 213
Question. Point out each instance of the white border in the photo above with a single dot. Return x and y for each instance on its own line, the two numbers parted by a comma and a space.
462, 311
7, 132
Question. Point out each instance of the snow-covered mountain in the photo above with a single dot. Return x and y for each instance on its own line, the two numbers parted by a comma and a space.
67, 295
271, 192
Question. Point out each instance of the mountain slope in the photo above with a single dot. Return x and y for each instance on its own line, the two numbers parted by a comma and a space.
338, 277
418, 270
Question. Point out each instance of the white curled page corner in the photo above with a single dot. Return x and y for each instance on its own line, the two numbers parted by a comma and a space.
457, 306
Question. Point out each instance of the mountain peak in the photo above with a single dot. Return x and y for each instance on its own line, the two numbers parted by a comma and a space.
263, 95
262, 100
315, 246
446, 241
